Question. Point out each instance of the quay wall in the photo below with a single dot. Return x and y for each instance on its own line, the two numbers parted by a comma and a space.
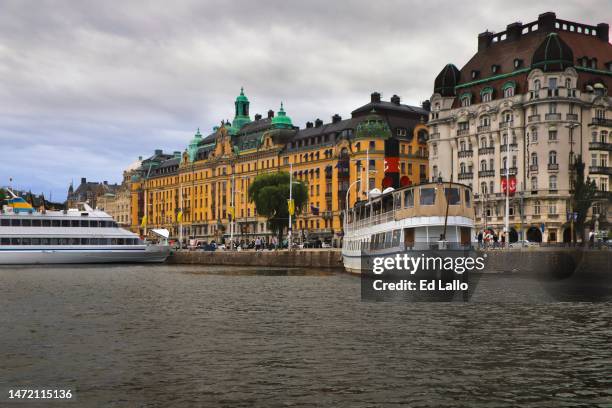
325, 258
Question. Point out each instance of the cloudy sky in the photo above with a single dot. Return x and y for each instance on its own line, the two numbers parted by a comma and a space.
88, 86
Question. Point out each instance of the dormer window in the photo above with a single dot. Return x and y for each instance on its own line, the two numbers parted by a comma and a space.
509, 88
475, 74
486, 95
401, 131
466, 99
594, 63
518, 63
495, 68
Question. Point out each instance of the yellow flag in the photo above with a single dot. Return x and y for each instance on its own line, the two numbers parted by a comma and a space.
179, 217
232, 212
144, 221
291, 206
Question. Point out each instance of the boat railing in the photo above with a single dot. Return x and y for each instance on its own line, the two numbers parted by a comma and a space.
375, 220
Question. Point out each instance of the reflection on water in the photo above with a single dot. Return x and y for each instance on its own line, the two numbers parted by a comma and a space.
224, 336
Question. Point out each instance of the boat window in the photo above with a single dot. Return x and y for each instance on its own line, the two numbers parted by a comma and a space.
54, 241
120, 241
5, 241
396, 238
65, 223
15, 223
26, 241
55, 223
467, 198
397, 201
44, 241
26, 223
428, 196
113, 224
74, 241
64, 241
36, 241
36, 223
85, 223
452, 195
84, 241
408, 198
93, 241
113, 241
46, 223
103, 224
15, 241
74, 223
93, 224
5, 222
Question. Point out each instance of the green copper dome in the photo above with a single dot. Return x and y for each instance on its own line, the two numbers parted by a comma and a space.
192, 149
241, 116
281, 120
373, 126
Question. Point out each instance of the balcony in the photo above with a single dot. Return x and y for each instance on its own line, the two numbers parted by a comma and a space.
600, 170
533, 118
486, 150
505, 125
483, 128
571, 116
463, 132
553, 166
513, 171
601, 194
513, 146
486, 173
552, 116
600, 146
465, 153
602, 122
466, 176
533, 167
434, 136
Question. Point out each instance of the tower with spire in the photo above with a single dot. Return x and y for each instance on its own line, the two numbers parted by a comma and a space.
241, 116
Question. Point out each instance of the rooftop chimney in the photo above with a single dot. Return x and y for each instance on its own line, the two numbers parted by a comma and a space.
318, 123
426, 105
484, 40
395, 99
106, 182
270, 114
603, 32
336, 118
309, 125
546, 21
374, 97
158, 151
514, 31
139, 158
83, 180
257, 116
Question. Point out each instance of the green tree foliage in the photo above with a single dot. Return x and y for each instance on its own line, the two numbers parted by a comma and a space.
584, 194
3, 196
270, 193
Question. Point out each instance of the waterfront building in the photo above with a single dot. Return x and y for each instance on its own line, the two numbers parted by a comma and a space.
531, 99
88, 192
199, 189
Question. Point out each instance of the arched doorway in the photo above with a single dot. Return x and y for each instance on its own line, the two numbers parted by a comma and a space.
513, 236
534, 234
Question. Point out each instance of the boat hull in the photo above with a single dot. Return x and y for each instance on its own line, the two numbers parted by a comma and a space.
32, 256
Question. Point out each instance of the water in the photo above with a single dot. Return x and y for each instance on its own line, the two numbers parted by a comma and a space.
242, 337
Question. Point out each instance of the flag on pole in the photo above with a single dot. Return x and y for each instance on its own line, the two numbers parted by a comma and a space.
291, 206
144, 221
232, 212
179, 217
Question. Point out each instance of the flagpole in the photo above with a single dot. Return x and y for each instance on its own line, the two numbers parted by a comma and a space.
233, 211
180, 215
290, 198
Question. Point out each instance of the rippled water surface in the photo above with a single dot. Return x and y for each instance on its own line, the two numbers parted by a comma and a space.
177, 336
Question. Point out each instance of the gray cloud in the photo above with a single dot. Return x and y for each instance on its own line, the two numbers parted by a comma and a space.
88, 86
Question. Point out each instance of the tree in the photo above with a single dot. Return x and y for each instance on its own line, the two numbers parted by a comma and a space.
582, 199
270, 193
2, 197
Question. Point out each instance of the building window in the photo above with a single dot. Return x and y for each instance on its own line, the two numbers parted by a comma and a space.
465, 101
552, 208
568, 83
552, 135
534, 135
483, 187
552, 183
434, 171
483, 165
492, 187
534, 159
434, 147
536, 207
552, 157
552, 108
534, 183
462, 146
462, 168
372, 145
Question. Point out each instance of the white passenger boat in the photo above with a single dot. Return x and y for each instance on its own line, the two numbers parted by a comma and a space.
413, 218
80, 235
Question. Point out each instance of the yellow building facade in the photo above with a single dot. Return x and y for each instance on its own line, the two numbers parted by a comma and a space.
195, 190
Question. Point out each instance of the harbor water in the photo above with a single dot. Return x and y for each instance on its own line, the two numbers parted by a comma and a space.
186, 335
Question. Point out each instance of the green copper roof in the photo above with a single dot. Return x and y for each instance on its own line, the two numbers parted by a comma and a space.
242, 97
373, 126
241, 117
192, 149
281, 120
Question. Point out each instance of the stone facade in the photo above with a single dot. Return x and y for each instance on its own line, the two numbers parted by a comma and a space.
533, 99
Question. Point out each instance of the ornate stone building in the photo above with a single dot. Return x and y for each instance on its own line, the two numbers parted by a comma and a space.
532, 99
215, 171
88, 192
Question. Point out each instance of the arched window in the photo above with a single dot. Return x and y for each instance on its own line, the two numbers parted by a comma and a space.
509, 88
483, 165
483, 142
534, 159
491, 164
536, 85
534, 183
466, 99
568, 83
483, 187
504, 163
552, 157
462, 168
491, 144
552, 183
462, 146
434, 147
504, 138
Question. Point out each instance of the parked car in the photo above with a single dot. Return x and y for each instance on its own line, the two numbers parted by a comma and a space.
524, 243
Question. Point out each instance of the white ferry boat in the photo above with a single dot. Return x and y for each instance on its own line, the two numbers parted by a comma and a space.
414, 218
66, 237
